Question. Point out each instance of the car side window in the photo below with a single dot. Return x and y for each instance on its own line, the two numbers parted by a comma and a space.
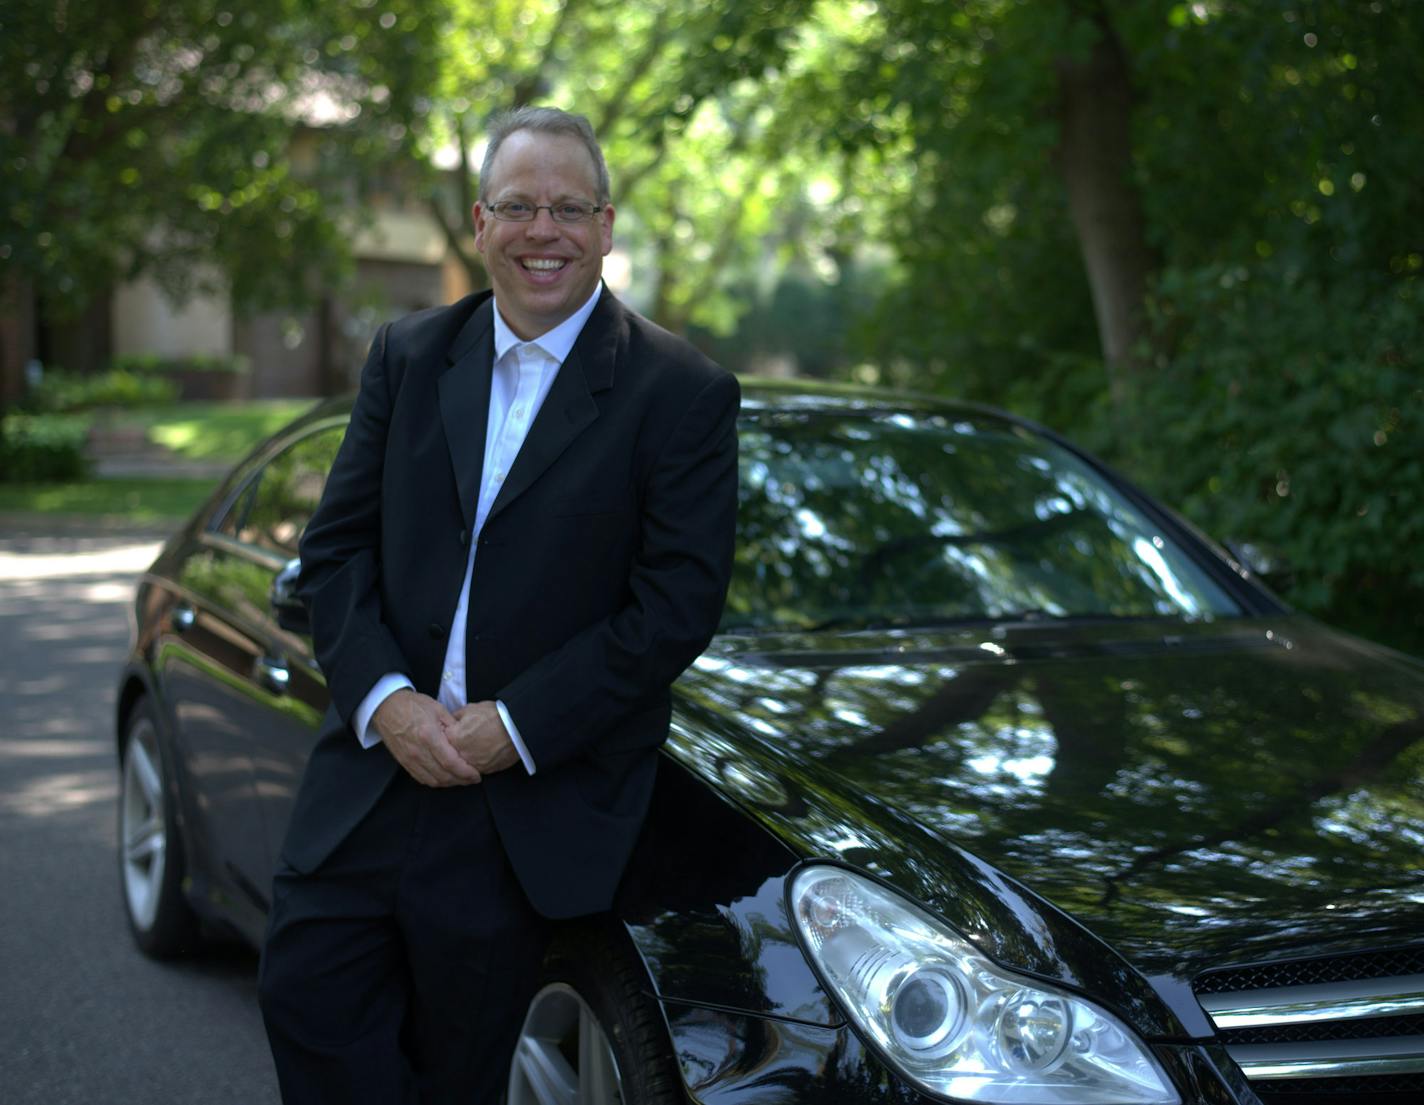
275, 506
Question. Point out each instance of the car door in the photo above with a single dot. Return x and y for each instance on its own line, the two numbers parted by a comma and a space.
245, 690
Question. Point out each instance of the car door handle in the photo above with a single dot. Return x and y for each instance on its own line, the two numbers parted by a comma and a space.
182, 616
272, 674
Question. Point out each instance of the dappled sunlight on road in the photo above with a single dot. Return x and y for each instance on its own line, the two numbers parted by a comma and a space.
52, 795
64, 629
51, 749
92, 1003
125, 559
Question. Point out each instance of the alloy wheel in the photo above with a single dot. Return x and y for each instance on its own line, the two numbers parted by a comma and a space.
143, 828
563, 1056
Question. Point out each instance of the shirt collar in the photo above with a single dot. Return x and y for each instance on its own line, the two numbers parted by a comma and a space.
555, 343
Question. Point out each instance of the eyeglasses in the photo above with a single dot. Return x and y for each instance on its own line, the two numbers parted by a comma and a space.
517, 211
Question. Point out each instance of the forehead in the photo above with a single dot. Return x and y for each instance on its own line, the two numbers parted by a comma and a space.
532, 161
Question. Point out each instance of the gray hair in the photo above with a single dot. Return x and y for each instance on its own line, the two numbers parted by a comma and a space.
545, 120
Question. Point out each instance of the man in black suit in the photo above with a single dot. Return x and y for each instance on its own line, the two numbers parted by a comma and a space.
526, 536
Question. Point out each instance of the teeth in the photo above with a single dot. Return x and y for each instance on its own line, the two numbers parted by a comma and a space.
543, 264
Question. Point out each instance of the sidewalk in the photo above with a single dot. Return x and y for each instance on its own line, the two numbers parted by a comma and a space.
48, 534
54, 548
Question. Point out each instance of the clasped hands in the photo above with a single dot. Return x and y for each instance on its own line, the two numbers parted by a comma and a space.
441, 749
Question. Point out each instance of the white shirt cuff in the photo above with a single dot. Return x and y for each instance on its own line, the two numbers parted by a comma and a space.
514, 737
386, 686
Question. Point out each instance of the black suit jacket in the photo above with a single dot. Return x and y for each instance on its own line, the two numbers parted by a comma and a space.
600, 574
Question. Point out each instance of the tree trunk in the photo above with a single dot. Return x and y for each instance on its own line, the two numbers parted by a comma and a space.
1095, 157
17, 336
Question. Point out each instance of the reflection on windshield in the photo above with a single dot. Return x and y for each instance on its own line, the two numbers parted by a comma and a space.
868, 518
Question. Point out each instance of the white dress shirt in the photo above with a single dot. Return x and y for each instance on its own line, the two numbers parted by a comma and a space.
523, 373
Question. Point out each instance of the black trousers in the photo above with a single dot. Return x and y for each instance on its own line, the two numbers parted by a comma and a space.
399, 972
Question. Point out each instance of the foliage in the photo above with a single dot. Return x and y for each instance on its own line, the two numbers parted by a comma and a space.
154, 364
1283, 130
153, 137
1293, 414
42, 447
987, 297
1270, 130
61, 392
1275, 149
696, 105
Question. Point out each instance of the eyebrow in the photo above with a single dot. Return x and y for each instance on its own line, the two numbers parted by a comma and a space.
525, 198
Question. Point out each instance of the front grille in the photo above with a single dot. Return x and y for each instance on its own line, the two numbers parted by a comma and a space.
1368, 1029
1392, 963
1344, 1027
1350, 1088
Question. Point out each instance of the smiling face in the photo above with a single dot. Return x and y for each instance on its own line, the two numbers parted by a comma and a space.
542, 271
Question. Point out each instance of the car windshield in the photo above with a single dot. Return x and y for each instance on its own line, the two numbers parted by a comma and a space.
859, 519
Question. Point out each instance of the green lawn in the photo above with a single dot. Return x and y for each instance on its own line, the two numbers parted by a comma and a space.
206, 432
212, 431
137, 500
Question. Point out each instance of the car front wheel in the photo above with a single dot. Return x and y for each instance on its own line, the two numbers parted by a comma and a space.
150, 859
593, 1035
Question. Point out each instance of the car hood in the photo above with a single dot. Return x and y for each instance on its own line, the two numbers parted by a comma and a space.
1193, 794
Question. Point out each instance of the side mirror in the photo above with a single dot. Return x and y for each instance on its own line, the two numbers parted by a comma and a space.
291, 611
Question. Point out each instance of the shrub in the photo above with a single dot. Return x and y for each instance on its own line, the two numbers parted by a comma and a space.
152, 364
61, 392
1292, 414
41, 448
195, 376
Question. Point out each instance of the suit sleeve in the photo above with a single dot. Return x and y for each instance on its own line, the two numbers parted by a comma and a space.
677, 586
340, 576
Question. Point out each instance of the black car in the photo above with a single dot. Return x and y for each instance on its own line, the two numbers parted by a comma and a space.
999, 784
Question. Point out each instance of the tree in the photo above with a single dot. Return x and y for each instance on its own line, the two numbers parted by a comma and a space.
1237, 190
678, 93
154, 138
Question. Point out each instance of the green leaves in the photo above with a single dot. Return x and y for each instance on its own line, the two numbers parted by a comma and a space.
147, 138
1293, 414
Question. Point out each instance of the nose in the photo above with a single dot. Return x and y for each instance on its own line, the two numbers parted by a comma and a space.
542, 225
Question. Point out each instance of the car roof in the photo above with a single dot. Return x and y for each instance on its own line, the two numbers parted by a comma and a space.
762, 393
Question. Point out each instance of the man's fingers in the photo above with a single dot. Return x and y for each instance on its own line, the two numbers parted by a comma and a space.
418, 731
454, 765
446, 762
430, 759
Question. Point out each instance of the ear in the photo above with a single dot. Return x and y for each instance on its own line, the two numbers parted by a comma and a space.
477, 214
606, 225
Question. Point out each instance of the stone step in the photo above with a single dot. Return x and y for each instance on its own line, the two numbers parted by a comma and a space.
119, 440
124, 452
160, 467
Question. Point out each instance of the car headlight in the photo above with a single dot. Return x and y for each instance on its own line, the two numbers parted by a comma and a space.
952, 1021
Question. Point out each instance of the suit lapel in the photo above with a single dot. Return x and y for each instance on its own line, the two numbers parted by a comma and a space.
569, 408
464, 389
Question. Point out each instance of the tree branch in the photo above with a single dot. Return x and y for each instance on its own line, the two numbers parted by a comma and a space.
527, 88
617, 104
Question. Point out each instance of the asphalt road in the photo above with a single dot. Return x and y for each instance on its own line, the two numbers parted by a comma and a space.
84, 1017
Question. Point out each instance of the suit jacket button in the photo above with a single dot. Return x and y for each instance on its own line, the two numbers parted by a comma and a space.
464, 538
436, 630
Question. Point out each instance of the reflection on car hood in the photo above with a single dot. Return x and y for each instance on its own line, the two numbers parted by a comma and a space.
1193, 794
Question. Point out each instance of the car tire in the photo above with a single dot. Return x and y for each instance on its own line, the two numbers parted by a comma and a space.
150, 852
593, 1034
